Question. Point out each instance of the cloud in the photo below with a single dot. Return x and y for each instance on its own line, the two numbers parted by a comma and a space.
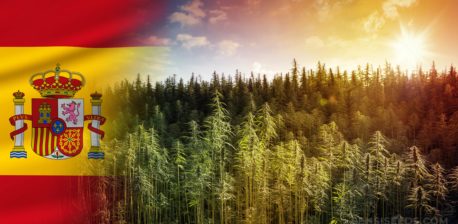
158, 41
374, 22
188, 41
258, 68
228, 47
194, 8
326, 8
390, 7
314, 42
323, 8
217, 16
190, 14
184, 19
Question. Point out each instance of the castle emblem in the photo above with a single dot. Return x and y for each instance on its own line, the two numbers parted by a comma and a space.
57, 118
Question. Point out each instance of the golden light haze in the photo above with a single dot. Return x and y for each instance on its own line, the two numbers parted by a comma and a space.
267, 35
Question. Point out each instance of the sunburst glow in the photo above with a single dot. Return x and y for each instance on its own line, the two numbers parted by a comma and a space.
410, 48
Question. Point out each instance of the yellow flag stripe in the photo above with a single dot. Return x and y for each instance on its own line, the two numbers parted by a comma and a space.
48, 139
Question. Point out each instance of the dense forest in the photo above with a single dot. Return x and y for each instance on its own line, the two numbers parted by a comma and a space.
308, 146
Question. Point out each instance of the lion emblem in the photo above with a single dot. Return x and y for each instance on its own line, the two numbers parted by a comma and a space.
72, 109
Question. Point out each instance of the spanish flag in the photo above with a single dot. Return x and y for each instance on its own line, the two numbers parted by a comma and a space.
104, 41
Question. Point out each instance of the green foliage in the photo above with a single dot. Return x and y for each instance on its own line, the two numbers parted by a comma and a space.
346, 210
310, 146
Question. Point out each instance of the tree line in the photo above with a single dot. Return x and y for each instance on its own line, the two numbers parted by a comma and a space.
308, 146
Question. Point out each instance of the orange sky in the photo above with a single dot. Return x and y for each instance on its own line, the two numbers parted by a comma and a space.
265, 36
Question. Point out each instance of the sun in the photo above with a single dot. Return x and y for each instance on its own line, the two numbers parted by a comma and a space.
409, 49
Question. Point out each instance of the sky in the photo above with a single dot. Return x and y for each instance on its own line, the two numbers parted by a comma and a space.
264, 36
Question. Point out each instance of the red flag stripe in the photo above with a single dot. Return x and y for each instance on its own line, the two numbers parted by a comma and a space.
35, 140
50, 199
83, 23
41, 140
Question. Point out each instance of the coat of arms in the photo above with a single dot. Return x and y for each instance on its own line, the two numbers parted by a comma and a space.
57, 118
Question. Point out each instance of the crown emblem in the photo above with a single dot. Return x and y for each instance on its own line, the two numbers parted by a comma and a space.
18, 95
57, 83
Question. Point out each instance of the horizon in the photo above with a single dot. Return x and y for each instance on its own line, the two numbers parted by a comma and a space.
361, 67
201, 37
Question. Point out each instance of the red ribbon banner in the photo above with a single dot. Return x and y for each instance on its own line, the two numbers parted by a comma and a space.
95, 118
19, 117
